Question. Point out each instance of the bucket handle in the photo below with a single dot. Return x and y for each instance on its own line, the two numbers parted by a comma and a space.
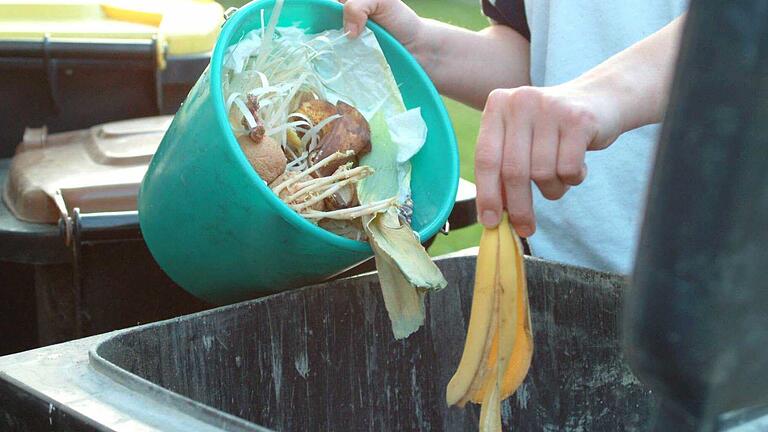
228, 14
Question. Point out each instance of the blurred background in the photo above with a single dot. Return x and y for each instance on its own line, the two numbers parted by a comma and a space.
466, 120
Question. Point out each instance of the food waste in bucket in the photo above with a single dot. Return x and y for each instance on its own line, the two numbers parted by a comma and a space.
300, 153
321, 120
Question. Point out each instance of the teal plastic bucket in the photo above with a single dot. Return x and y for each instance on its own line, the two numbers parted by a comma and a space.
216, 228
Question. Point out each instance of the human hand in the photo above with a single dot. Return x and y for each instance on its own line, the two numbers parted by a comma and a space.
394, 15
538, 134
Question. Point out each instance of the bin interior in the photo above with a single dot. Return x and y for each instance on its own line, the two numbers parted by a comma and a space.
323, 358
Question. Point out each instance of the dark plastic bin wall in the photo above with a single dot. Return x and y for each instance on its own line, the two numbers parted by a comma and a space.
18, 327
25, 103
323, 358
122, 286
85, 96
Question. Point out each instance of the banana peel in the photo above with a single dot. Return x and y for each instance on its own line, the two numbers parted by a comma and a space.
477, 347
499, 344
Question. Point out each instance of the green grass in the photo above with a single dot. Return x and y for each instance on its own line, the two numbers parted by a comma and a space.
464, 13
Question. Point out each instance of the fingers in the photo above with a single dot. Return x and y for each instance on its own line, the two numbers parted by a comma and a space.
516, 162
530, 134
576, 133
488, 155
544, 159
356, 13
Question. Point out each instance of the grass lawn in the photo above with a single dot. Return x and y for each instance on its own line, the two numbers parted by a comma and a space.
465, 13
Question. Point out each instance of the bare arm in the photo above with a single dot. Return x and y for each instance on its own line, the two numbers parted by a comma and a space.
463, 64
640, 77
467, 65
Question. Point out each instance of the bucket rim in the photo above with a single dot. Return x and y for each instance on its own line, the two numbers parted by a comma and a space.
285, 212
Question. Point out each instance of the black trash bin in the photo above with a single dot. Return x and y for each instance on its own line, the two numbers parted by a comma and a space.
96, 62
324, 358
67, 66
51, 292
71, 274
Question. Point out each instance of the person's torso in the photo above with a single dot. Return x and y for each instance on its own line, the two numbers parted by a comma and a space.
597, 223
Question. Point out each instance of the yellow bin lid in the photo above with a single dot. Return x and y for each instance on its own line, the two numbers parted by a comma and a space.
182, 27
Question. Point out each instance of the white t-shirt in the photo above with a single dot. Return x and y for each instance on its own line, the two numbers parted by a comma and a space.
596, 224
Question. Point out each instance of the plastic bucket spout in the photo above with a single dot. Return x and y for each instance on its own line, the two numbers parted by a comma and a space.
216, 228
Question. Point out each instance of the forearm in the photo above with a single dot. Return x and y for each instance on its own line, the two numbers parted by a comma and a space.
638, 78
467, 65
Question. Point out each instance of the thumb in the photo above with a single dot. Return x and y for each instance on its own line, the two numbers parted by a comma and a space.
356, 13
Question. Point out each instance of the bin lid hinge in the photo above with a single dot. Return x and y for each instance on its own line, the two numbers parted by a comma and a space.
70, 230
65, 222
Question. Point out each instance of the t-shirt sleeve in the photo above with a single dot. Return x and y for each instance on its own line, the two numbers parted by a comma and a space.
510, 13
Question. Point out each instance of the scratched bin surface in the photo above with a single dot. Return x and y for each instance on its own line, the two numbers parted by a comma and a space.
323, 358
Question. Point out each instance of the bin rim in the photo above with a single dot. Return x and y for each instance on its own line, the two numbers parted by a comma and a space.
285, 212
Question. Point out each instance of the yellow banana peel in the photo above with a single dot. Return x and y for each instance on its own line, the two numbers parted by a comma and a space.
499, 344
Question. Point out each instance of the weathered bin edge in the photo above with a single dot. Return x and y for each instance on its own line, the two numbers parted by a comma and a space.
54, 389
220, 419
